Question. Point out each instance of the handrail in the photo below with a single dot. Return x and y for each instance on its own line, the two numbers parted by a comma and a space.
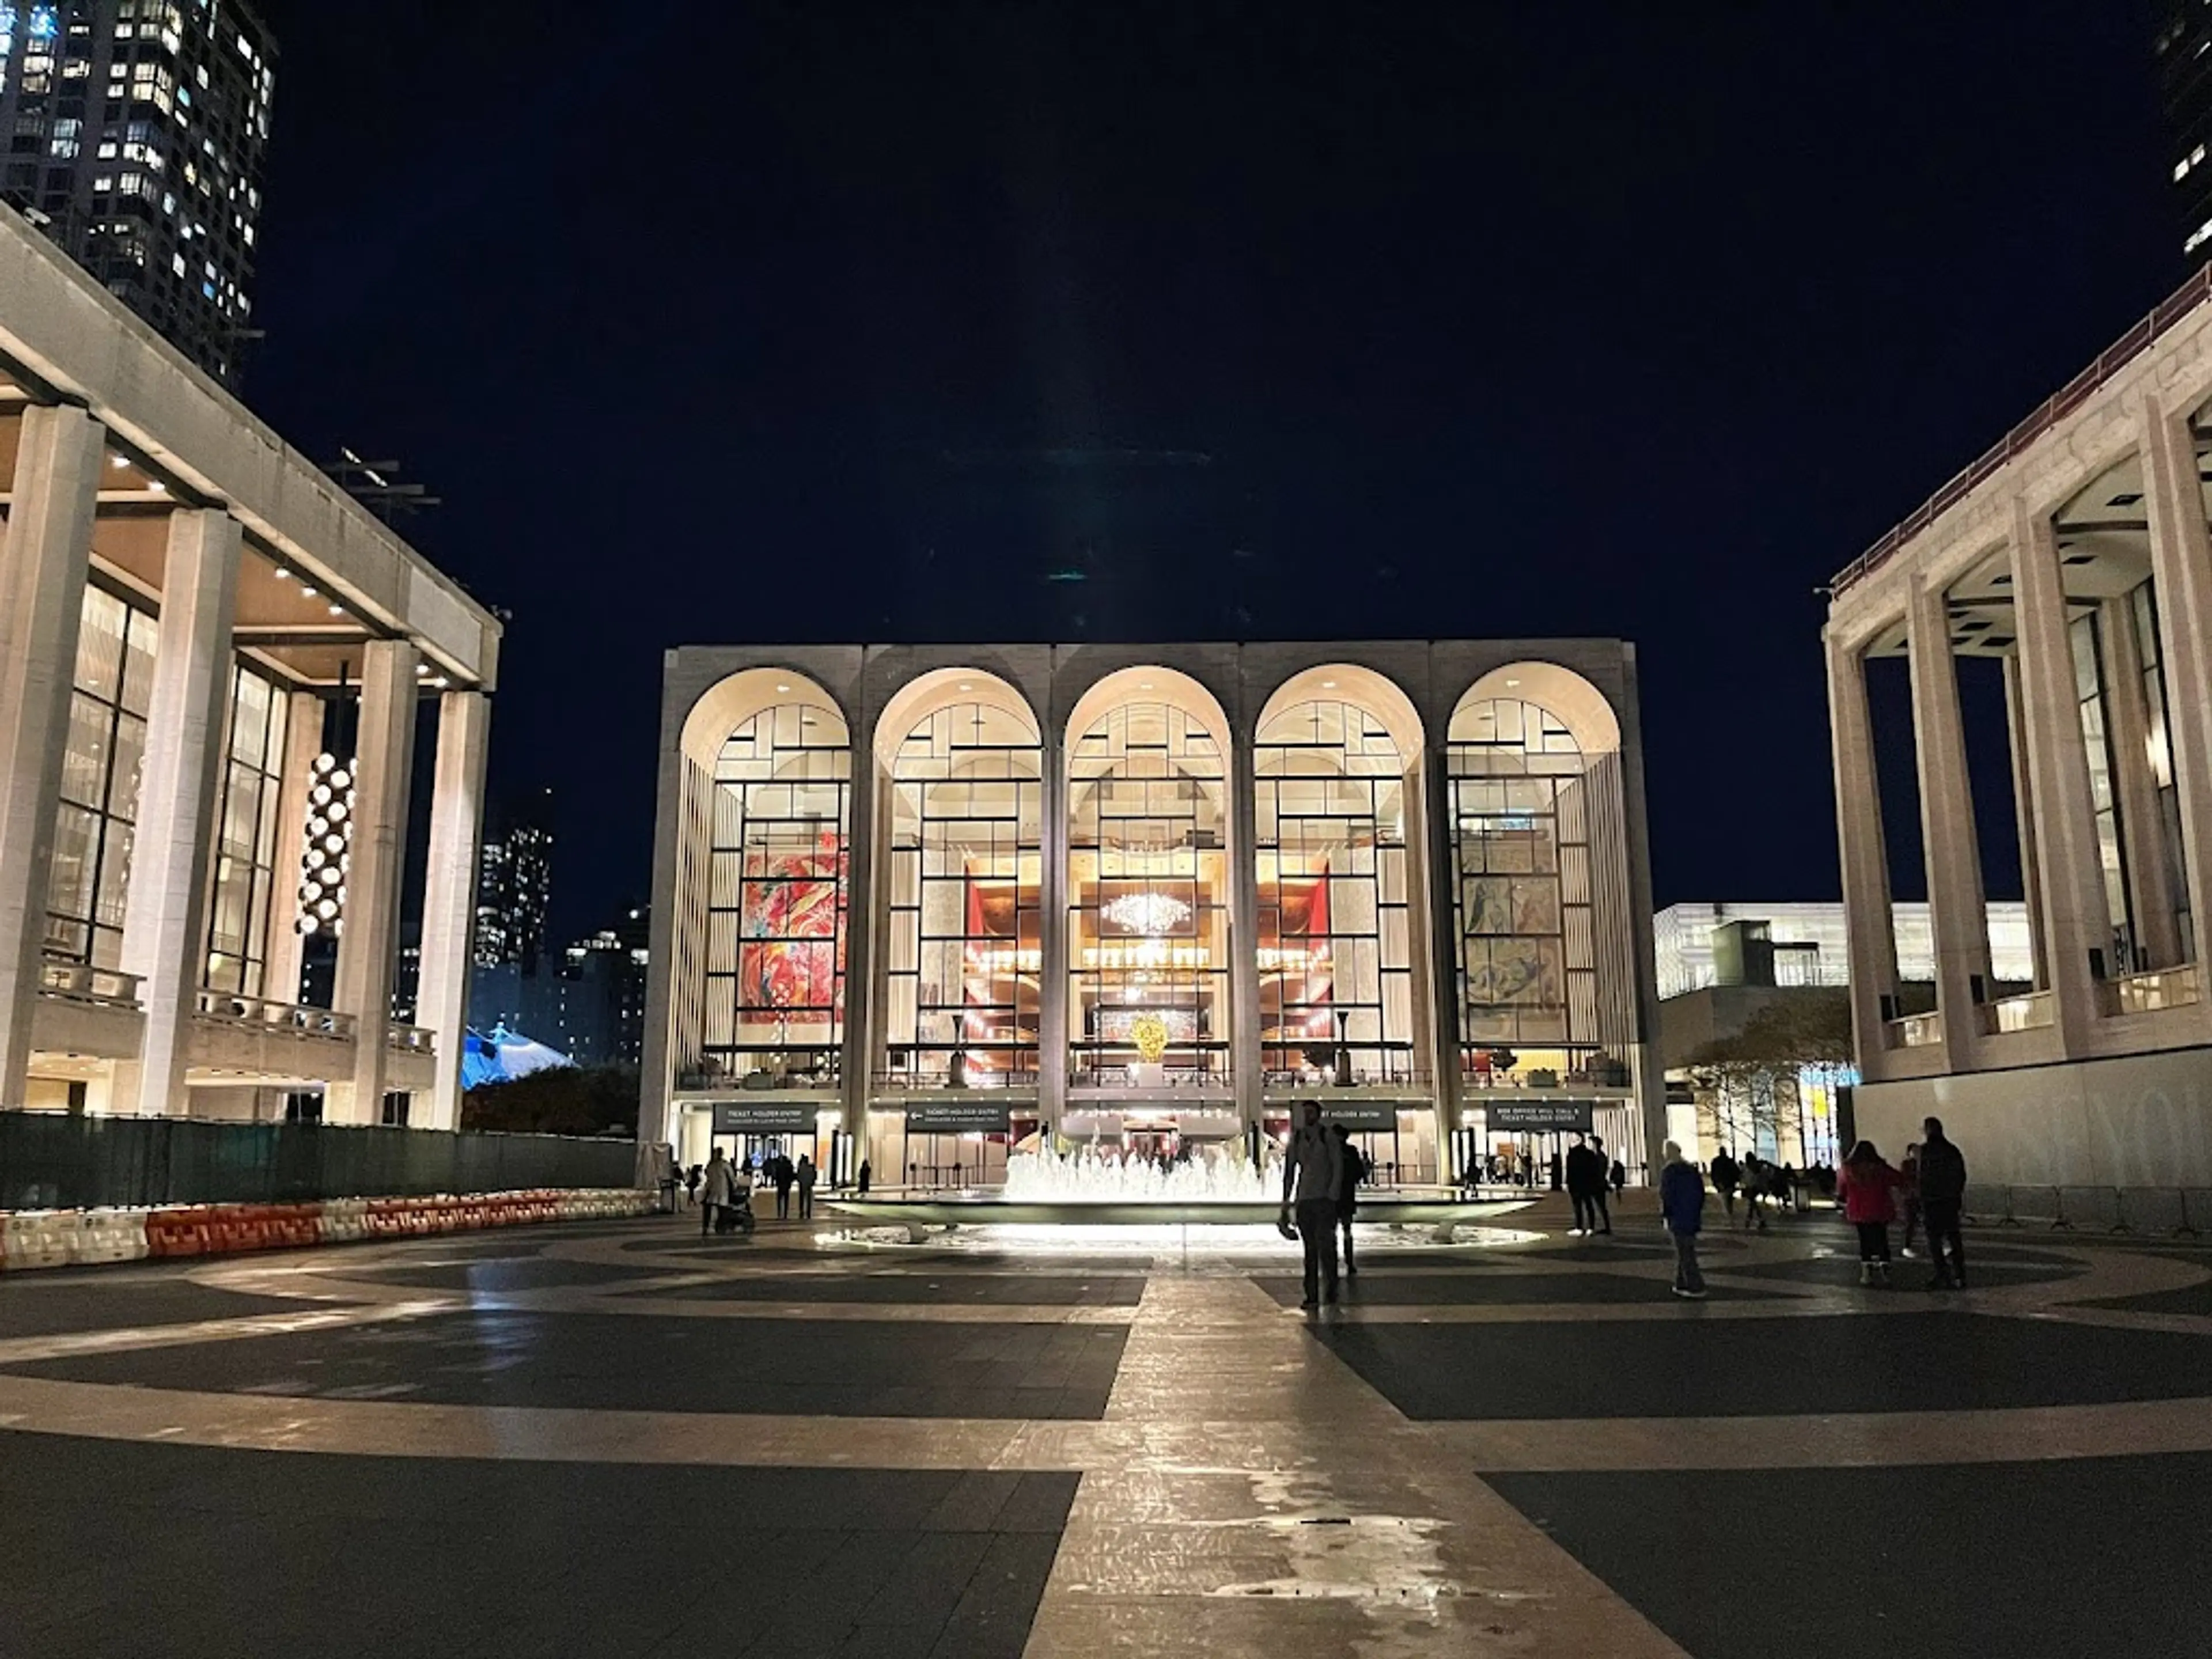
79, 981
2052, 410
2151, 992
234, 1008
411, 1039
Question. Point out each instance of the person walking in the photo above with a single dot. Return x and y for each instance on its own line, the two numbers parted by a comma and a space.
1869, 1189
1910, 1196
806, 1176
1355, 1167
1581, 1182
1683, 1206
715, 1190
1312, 1173
1600, 1175
783, 1174
1754, 1183
1942, 1198
1619, 1175
1728, 1175
867, 1173
691, 1185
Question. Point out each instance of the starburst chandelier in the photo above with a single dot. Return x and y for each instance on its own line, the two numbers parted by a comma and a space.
1149, 913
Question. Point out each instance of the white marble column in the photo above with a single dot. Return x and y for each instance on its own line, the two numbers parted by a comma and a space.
1052, 934
449, 894
1440, 955
383, 760
863, 923
1869, 925
1245, 1060
43, 562
1958, 910
286, 947
2075, 921
2181, 564
187, 737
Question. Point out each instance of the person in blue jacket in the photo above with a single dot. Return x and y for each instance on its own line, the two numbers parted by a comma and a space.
1682, 1203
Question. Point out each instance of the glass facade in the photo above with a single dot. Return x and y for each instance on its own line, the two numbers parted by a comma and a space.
965, 878
774, 987
1522, 943
2158, 749
1335, 946
2103, 788
246, 894
112, 685
1148, 900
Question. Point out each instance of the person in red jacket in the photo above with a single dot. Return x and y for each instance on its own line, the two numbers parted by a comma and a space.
1867, 1185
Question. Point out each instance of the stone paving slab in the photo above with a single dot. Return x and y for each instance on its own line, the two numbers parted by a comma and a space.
1933, 1562
279, 1556
35, 1305
850, 1369
1003, 1289
1375, 1288
527, 1273
1758, 1367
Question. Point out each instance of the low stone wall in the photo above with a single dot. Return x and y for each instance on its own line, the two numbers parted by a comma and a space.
65, 1238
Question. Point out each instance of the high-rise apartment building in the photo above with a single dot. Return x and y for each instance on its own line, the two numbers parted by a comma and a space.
134, 131
514, 883
2184, 50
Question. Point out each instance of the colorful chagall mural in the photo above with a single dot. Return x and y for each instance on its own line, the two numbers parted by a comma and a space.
792, 953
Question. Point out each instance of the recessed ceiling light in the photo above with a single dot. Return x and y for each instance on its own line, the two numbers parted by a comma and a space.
1512, 683
337, 610
119, 462
967, 685
1328, 685
306, 591
282, 575
783, 687
157, 486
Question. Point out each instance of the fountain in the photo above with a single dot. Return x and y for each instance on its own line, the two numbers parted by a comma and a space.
1094, 1174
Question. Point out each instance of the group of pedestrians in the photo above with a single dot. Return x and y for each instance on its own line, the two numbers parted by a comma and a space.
723, 1188
1589, 1176
1932, 1186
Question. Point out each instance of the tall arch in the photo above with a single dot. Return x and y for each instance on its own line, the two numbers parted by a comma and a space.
961, 881
1336, 763
763, 897
1545, 983
1149, 882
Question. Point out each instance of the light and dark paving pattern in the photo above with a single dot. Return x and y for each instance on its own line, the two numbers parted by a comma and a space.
618, 1439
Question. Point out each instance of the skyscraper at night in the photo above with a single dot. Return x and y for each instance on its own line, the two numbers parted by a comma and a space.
134, 132
2185, 85
514, 882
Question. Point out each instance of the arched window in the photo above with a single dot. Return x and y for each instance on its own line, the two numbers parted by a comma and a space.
963, 879
777, 894
1148, 898
1335, 937
1520, 834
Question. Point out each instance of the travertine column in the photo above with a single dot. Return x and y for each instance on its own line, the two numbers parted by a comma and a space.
1245, 1062
863, 915
286, 946
1052, 934
370, 941
1441, 956
43, 562
2181, 562
449, 894
1958, 912
187, 735
1869, 926
2075, 919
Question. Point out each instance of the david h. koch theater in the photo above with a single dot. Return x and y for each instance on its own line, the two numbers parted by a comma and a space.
915, 905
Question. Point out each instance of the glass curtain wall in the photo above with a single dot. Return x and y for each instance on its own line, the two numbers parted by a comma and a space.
2158, 748
2103, 788
1148, 901
964, 878
777, 898
246, 890
1336, 944
1520, 896
113, 684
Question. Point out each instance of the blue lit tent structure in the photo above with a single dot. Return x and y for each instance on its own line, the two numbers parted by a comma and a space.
502, 1055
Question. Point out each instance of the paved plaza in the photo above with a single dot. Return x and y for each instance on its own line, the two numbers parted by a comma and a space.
623, 1439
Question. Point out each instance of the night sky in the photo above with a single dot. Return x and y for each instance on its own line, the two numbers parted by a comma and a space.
822, 323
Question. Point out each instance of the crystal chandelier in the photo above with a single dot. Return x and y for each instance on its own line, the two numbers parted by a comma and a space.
1149, 913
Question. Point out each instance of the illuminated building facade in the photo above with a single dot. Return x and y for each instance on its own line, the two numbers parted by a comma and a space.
914, 904
136, 129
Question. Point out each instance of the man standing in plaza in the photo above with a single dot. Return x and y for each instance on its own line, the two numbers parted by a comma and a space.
1313, 1171
1727, 1175
1942, 1196
783, 1174
1354, 1170
1683, 1204
1585, 1174
1601, 1172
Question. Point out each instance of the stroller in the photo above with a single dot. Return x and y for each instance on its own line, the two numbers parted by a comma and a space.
734, 1218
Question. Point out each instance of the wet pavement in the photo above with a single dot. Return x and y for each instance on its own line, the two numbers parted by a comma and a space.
612, 1439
